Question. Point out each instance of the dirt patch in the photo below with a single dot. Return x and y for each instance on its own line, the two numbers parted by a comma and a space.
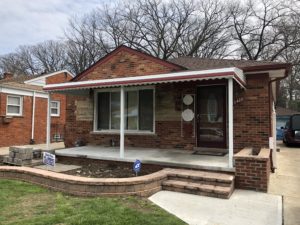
105, 169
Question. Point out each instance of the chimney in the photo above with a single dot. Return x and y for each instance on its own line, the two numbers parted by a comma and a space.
8, 75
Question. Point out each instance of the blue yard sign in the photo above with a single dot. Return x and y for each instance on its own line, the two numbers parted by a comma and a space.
48, 159
137, 166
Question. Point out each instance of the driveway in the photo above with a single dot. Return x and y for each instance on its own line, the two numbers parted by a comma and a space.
286, 182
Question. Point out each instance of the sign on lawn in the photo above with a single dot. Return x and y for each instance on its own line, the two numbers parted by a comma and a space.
137, 166
49, 159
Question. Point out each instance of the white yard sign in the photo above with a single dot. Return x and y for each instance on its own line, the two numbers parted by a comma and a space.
49, 159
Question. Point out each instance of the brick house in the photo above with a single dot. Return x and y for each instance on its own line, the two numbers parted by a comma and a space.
130, 98
24, 105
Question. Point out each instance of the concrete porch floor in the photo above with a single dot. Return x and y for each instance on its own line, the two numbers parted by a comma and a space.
165, 157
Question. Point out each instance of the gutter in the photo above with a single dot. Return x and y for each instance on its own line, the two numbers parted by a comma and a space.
21, 88
286, 66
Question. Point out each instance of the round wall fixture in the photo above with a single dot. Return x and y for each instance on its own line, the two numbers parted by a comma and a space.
187, 115
188, 99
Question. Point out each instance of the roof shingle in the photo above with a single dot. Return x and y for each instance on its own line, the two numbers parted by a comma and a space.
194, 63
18, 82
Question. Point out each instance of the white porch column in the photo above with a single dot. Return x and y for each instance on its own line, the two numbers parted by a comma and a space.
122, 120
230, 122
48, 138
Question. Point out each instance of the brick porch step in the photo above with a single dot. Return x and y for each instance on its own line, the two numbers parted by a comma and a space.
198, 189
205, 177
197, 182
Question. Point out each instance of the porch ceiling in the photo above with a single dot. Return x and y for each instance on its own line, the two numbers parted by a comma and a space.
225, 73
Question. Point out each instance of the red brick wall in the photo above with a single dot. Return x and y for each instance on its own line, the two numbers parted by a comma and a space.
75, 130
251, 115
58, 123
18, 131
125, 64
58, 78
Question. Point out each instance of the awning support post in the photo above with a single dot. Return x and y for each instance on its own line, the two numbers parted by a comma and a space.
48, 138
230, 122
122, 120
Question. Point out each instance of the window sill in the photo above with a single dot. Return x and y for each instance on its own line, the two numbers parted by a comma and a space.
14, 116
126, 132
55, 115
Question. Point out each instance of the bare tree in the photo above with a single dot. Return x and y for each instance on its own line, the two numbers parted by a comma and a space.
84, 43
253, 29
156, 26
12, 63
161, 28
262, 29
208, 35
49, 56
290, 87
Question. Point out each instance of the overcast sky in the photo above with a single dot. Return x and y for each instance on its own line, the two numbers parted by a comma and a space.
24, 22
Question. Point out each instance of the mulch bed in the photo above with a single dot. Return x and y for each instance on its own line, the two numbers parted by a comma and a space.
105, 169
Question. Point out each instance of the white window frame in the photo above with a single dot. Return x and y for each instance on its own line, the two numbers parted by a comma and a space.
117, 131
58, 109
21, 105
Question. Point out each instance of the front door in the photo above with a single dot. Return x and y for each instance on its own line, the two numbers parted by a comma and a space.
211, 116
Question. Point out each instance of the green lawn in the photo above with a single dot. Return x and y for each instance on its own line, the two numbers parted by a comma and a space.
23, 203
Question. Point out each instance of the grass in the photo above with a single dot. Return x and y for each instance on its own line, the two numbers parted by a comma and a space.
23, 203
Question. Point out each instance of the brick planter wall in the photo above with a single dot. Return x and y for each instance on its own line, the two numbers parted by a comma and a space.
83, 186
252, 171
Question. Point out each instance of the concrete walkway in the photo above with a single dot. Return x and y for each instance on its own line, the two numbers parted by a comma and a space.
286, 182
243, 208
53, 146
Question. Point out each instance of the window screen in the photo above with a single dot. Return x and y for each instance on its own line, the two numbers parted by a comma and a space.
146, 110
103, 110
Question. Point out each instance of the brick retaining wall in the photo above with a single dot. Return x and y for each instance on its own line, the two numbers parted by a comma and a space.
83, 186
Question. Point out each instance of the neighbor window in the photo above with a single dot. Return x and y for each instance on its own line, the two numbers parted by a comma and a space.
14, 105
139, 105
55, 108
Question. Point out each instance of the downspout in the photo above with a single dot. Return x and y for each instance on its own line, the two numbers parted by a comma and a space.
273, 152
48, 129
33, 119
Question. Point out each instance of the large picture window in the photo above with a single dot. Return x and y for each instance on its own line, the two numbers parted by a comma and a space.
139, 106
